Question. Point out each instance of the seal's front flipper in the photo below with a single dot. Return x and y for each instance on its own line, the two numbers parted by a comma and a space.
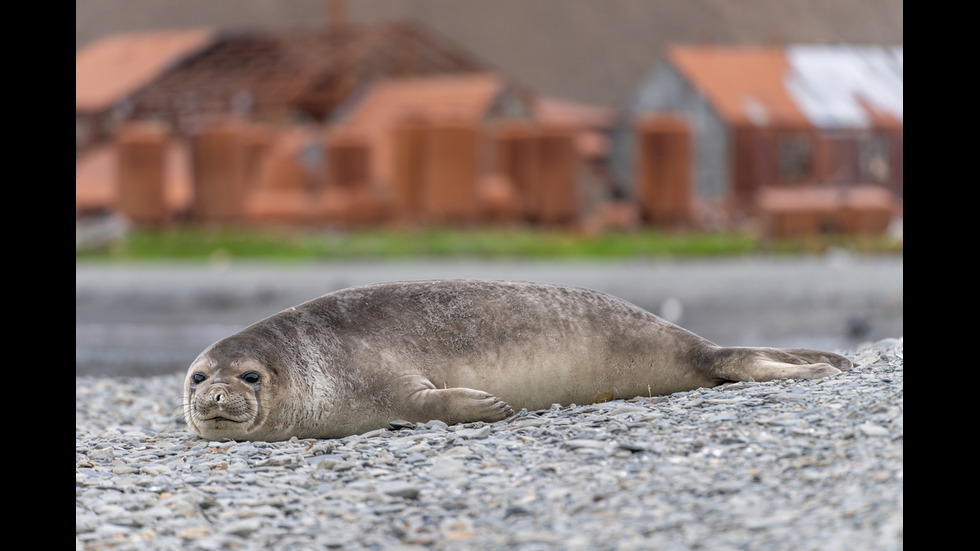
459, 405
765, 364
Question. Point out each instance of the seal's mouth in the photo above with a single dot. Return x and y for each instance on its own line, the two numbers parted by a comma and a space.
219, 419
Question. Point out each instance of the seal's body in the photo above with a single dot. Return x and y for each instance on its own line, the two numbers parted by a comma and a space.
459, 351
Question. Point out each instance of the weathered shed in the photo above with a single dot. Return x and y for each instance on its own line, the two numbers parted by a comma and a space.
760, 117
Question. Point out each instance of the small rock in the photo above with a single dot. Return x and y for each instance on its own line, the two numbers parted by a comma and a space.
399, 489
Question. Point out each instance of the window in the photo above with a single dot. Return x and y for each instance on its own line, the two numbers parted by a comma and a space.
874, 160
795, 159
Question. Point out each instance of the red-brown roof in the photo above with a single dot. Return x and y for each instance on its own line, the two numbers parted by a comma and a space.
119, 65
797, 85
552, 110
745, 84
450, 97
465, 98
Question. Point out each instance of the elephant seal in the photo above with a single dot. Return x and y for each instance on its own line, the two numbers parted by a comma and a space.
455, 350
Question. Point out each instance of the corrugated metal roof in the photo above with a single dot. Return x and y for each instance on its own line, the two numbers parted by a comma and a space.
819, 86
253, 69
846, 86
114, 67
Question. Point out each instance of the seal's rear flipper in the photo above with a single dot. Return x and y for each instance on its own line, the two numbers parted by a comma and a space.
459, 405
819, 356
765, 364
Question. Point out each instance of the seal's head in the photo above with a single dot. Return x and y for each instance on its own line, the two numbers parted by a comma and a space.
227, 398
238, 389
266, 382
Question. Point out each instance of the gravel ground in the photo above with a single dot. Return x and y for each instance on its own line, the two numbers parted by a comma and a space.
779, 465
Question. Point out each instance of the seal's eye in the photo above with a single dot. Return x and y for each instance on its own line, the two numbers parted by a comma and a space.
198, 378
250, 377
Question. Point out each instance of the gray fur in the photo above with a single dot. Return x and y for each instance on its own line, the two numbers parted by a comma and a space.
459, 351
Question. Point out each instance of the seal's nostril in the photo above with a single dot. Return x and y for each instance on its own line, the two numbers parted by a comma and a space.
216, 397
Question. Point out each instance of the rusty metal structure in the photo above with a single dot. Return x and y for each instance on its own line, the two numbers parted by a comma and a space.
188, 79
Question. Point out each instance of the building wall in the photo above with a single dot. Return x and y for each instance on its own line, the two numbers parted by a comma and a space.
838, 157
666, 90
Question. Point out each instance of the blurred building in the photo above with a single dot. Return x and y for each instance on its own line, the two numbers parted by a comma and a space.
187, 81
392, 123
808, 137
478, 148
427, 139
189, 78
589, 51
340, 126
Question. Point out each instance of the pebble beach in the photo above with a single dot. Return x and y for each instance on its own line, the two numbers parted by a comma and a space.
780, 465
